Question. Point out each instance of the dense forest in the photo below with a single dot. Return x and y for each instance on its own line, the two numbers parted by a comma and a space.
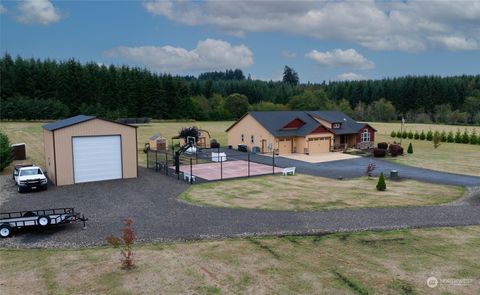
33, 89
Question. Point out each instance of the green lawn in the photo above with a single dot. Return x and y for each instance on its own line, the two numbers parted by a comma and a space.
390, 262
305, 193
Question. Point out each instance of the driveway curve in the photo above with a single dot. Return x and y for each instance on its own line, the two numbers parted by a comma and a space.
151, 200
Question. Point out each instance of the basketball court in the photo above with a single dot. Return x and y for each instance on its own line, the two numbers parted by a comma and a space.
229, 169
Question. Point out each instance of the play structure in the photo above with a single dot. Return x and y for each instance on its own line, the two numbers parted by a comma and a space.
158, 143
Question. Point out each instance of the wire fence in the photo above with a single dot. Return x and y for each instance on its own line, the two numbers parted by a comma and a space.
204, 165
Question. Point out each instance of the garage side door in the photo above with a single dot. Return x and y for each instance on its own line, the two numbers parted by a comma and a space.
97, 158
318, 145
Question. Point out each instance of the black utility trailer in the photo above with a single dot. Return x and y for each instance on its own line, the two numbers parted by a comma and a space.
10, 221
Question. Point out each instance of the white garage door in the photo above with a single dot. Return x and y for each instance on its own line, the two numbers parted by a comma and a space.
97, 158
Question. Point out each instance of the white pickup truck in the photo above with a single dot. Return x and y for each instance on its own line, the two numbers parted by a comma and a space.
28, 177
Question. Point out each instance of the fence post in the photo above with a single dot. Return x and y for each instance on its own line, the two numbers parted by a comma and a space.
147, 159
156, 160
166, 163
191, 172
273, 162
221, 168
249, 165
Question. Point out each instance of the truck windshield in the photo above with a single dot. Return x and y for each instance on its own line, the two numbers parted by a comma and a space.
26, 172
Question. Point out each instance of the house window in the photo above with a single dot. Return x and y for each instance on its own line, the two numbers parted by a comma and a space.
251, 139
365, 135
242, 138
336, 125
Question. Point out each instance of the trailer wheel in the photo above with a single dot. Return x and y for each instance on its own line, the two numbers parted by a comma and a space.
5, 231
43, 220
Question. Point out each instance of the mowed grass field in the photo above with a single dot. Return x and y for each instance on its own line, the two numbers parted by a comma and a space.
390, 262
305, 193
450, 157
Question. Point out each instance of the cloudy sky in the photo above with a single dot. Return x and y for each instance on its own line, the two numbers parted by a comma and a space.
321, 40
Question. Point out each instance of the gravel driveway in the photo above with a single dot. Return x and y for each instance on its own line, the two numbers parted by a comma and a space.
151, 200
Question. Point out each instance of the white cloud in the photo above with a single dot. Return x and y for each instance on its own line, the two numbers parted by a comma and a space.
456, 43
349, 58
380, 25
288, 54
209, 55
37, 12
3, 9
350, 77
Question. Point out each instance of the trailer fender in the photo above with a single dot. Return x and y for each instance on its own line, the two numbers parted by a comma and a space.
43, 220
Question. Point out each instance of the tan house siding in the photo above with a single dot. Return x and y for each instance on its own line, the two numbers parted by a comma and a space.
49, 154
95, 127
324, 123
248, 126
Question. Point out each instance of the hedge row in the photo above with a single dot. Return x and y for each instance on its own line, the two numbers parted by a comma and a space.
457, 137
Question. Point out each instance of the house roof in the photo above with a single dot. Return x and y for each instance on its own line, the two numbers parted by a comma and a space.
75, 120
273, 121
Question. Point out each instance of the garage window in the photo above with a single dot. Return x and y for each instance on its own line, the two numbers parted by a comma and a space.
366, 135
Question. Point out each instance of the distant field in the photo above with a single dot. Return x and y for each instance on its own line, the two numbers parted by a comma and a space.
450, 157
390, 262
305, 192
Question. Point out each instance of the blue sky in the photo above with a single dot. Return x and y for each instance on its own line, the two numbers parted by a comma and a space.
320, 40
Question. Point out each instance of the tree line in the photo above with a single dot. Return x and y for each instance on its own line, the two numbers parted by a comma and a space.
34, 89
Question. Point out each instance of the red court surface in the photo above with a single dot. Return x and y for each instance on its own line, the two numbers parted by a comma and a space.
230, 169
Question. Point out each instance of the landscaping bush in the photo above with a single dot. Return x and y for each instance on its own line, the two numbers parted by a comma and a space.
443, 136
381, 185
473, 137
393, 134
395, 150
382, 145
458, 136
429, 135
410, 135
370, 168
6, 156
436, 139
404, 134
422, 135
379, 153
465, 137
410, 148
450, 137
416, 135
399, 134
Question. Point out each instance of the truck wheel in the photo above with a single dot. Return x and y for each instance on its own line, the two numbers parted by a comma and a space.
5, 231
43, 220
20, 189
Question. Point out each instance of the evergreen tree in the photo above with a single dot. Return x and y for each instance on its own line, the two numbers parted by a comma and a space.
381, 185
443, 136
458, 136
429, 135
410, 135
465, 137
6, 156
473, 137
410, 148
393, 134
416, 135
290, 76
450, 136
422, 135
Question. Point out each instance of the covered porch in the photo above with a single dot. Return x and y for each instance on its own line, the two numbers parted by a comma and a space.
343, 142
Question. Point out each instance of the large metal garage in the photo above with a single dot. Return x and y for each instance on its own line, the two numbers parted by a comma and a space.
86, 148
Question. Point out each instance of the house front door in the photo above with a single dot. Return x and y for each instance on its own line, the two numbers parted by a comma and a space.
264, 146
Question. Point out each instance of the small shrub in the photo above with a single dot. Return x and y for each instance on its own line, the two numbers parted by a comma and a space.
465, 137
370, 169
399, 134
443, 136
473, 137
395, 150
429, 135
410, 148
393, 134
450, 137
458, 136
422, 135
379, 153
416, 135
436, 139
382, 145
6, 153
381, 185
404, 134
410, 135
125, 243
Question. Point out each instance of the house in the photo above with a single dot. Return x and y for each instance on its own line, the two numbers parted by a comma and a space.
306, 132
86, 148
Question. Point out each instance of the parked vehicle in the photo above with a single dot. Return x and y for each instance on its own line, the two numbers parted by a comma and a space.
28, 177
10, 221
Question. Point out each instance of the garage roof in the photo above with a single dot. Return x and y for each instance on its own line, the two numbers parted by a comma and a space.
75, 120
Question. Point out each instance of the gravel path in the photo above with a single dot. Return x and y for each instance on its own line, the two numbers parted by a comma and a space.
151, 200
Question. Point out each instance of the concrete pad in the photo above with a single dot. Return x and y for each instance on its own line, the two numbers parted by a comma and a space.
320, 158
